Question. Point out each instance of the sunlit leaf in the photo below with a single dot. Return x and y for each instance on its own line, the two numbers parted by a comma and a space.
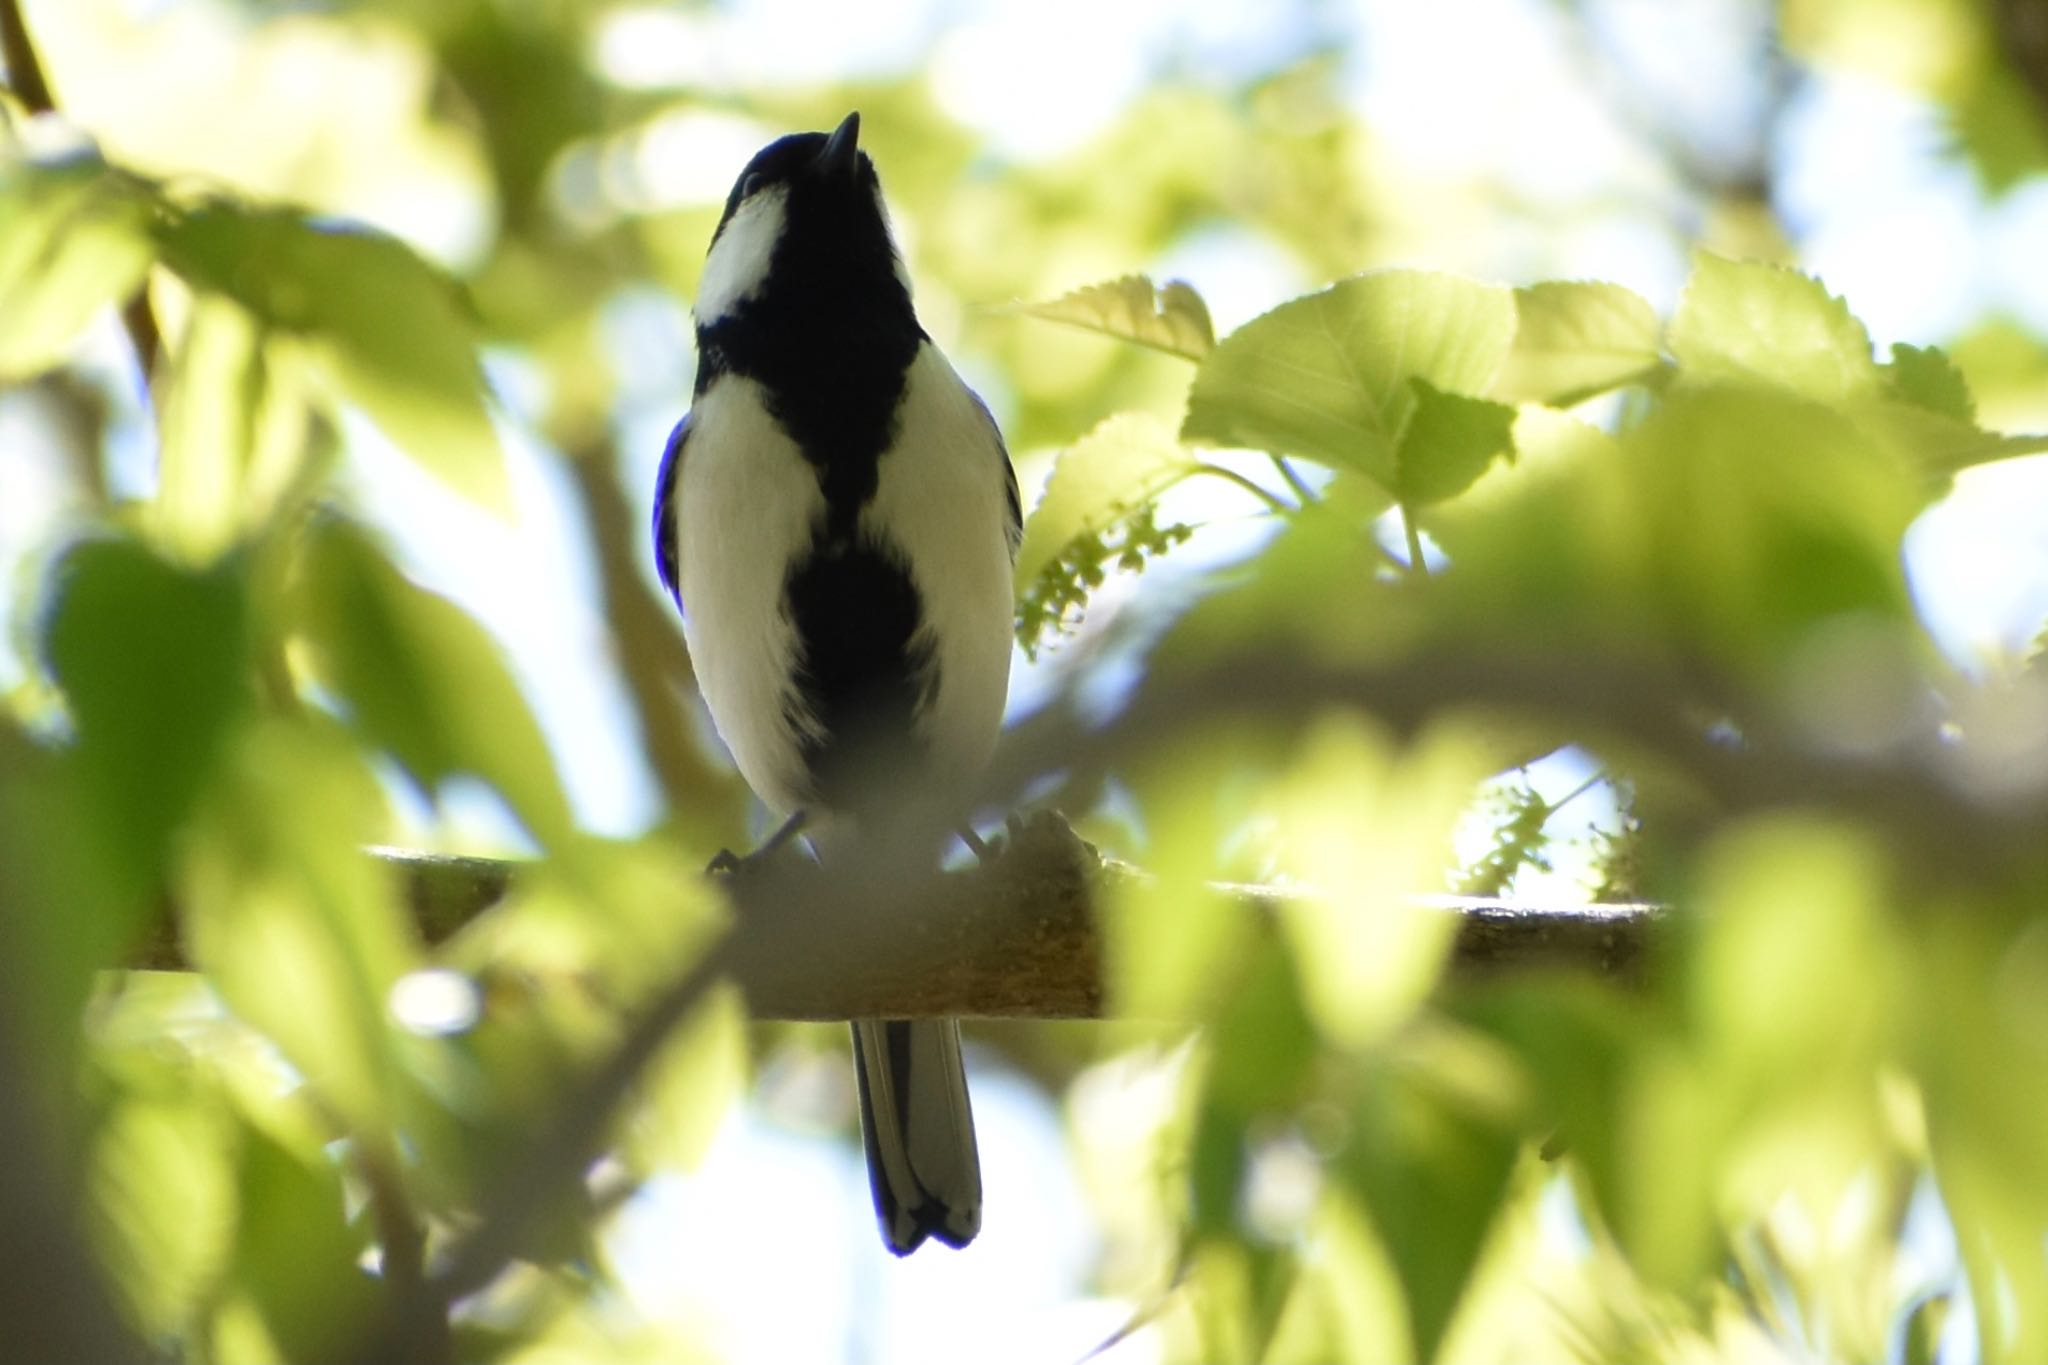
1745, 322
1170, 317
1085, 521
423, 679
1176, 937
1448, 443
1327, 377
161, 1168
383, 328
74, 238
301, 932
1363, 827
1574, 339
235, 432
1925, 377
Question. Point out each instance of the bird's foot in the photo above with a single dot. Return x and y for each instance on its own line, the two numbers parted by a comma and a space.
726, 863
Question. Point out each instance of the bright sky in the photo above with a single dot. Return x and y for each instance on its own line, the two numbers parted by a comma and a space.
1877, 212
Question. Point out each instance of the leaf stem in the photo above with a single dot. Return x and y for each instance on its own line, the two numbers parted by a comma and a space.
1416, 562
1265, 495
1294, 479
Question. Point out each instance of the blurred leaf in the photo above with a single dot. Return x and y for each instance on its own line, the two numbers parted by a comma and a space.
1605, 543
1747, 323
296, 1258
1448, 443
383, 328
161, 1166
423, 679
1263, 1042
1177, 936
702, 1069
299, 929
74, 238
1998, 122
234, 432
1573, 1039
1981, 979
1326, 377
1925, 377
1577, 339
1170, 317
1431, 1165
1361, 827
1096, 512
1240, 1291
154, 664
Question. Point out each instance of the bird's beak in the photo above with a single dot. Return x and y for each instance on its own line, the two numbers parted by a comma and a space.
842, 150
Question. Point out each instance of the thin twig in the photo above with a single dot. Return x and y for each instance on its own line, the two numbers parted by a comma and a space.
24, 72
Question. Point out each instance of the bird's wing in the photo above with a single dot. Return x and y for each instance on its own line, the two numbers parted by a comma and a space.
1013, 527
664, 488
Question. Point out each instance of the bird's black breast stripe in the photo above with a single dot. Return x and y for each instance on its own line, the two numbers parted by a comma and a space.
862, 669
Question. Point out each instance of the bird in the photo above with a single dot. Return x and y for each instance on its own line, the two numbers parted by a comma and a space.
837, 519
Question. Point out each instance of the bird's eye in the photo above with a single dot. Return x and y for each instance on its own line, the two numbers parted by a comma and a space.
749, 183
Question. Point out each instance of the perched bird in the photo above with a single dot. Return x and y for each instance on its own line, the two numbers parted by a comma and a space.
838, 520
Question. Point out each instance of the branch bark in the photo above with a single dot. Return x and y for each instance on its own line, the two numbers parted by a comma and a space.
1019, 938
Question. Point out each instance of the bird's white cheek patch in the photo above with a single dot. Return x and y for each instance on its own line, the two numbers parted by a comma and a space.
739, 259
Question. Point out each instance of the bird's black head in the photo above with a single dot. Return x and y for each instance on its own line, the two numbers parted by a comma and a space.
804, 229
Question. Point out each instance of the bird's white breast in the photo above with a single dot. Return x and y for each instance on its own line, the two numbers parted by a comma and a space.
745, 503
942, 499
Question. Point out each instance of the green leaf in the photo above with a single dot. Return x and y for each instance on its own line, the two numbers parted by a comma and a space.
161, 1166
1431, 1164
423, 679
1096, 511
1127, 460
691, 1085
1448, 443
383, 328
73, 239
296, 1257
1170, 317
1749, 323
1925, 377
1575, 339
301, 933
235, 431
1326, 377
153, 661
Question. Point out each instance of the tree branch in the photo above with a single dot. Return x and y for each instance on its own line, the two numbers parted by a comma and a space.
1019, 938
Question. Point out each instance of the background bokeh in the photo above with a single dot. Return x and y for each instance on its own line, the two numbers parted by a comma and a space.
564, 165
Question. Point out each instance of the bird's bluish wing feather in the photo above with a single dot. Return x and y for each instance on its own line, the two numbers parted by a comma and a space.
1014, 526
664, 487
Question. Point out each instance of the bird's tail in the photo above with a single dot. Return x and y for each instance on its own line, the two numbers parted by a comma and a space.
918, 1130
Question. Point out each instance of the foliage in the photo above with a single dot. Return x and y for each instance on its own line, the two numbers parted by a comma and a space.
1500, 521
